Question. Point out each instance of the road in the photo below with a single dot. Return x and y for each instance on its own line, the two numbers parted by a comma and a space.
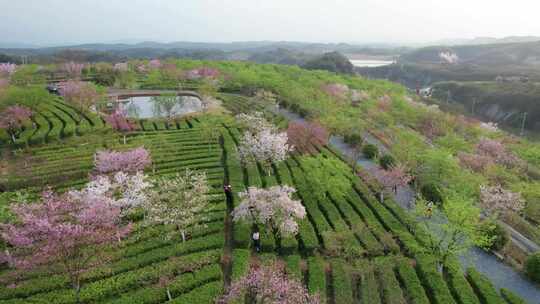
520, 240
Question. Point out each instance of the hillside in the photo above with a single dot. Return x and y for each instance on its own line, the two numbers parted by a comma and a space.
503, 103
501, 77
493, 55
353, 243
425, 66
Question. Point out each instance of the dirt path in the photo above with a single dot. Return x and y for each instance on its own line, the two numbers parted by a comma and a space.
126, 92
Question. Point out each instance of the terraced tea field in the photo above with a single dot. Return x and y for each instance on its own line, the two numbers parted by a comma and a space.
389, 264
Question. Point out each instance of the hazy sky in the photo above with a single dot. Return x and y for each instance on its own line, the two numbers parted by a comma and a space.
397, 21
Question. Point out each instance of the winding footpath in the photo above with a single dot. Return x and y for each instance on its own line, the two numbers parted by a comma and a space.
500, 274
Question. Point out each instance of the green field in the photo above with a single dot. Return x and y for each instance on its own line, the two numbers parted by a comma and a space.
392, 266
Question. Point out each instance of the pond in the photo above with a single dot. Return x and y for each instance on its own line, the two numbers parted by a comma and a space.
160, 106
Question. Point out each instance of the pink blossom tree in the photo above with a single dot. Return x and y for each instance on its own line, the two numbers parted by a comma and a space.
475, 162
430, 126
497, 199
203, 72
268, 284
171, 71
265, 147
13, 118
120, 122
393, 178
82, 94
272, 207
384, 103
306, 135
154, 64
7, 69
63, 234
4, 83
497, 151
73, 69
142, 68
121, 67
336, 90
131, 161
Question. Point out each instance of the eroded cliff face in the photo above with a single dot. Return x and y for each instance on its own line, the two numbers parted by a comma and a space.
505, 104
494, 112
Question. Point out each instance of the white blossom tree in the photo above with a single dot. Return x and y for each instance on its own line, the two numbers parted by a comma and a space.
254, 122
179, 201
496, 199
272, 207
264, 147
125, 191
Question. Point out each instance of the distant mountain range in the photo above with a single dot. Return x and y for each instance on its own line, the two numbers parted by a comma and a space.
222, 46
487, 40
284, 52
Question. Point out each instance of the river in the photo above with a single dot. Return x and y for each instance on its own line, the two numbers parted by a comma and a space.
500, 274
369, 63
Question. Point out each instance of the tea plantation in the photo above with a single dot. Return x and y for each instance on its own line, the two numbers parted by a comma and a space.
381, 259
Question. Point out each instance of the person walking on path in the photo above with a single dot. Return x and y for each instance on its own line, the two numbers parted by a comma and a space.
228, 193
256, 237
429, 210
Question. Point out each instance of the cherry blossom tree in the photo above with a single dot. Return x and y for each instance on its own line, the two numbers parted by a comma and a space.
131, 161
142, 68
203, 72
475, 162
306, 135
272, 207
4, 83
154, 64
496, 199
120, 122
125, 191
82, 94
63, 234
489, 126
268, 284
254, 122
393, 178
7, 69
336, 90
121, 67
358, 96
384, 103
265, 147
430, 127
13, 118
73, 69
179, 201
497, 151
